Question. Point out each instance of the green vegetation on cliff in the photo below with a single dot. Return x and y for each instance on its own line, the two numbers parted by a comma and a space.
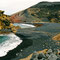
5, 23
41, 12
4, 20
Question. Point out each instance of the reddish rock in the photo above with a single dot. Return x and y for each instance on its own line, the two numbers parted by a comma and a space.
15, 19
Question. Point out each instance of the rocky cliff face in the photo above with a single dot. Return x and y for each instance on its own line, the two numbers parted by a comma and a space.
6, 24
4, 20
41, 12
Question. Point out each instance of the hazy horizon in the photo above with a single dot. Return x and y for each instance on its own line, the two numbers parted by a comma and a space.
13, 6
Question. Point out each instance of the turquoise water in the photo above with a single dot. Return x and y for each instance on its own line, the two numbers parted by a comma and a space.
3, 38
8, 42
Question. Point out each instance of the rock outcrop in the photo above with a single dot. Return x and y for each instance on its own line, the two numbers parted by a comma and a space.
57, 37
29, 57
41, 12
47, 54
6, 24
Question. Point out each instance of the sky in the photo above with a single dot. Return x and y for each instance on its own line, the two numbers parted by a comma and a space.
13, 6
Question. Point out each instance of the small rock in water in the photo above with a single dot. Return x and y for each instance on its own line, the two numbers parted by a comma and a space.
17, 54
21, 50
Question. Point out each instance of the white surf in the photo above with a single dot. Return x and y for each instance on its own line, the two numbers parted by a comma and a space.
24, 25
9, 44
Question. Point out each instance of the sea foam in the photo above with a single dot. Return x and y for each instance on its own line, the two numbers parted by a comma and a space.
24, 25
9, 44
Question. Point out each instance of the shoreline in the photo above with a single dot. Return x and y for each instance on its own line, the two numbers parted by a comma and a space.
12, 53
34, 40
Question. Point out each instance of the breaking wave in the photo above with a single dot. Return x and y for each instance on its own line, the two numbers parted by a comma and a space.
24, 25
8, 42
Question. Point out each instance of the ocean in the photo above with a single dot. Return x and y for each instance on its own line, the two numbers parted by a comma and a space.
10, 41
27, 40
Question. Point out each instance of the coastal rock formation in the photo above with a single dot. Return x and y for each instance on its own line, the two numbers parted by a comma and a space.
38, 25
57, 37
41, 12
47, 54
29, 57
4, 20
6, 24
